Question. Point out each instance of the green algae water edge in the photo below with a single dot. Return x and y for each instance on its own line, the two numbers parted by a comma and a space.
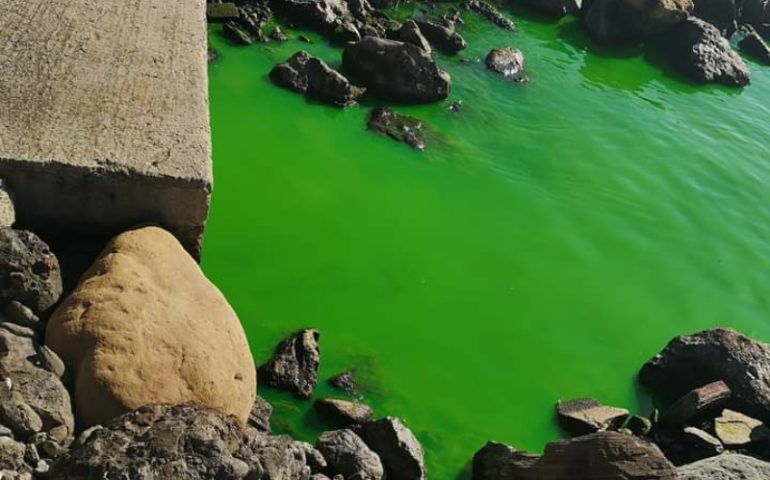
553, 237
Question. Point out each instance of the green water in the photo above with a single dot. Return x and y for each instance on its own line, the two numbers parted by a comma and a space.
552, 238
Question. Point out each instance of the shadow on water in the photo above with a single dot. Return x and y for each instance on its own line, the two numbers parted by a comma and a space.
466, 473
528, 13
573, 33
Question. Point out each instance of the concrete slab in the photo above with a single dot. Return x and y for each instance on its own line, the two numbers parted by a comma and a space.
104, 118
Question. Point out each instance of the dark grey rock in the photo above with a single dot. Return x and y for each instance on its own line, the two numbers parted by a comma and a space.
260, 414
754, 46
497, 461
348, 455
755, 12
294, 366
585, 415
343, 412
507, 61
329, 86
442, 36
639, 425
278, 35
400, 452
409, 32
726, 467
401, 128
236, 34
649, 18
396, 71
696, 403
252, 18
345, 381
29, 272
700, 444
720, 13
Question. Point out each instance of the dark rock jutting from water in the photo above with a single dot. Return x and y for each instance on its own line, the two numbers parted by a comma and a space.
409, 32
343, 413
401, 128
443, 36
294, 366
507, 61
345, 381
754, 46
723, 14
488, 11
303, 73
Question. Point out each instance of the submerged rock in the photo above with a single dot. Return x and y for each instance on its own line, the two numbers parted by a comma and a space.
507, 61
690, 361
753, 45
345, 381
398, 448
726, 467
343, 412
586, 415
221, 12
274, 457
409, 32
497, 461
401, 128
349, 456
720, 13
605, 22
294, 365
396, 71
236, 34
259, 417
442, 36
697, 403
29, 271
653, 17
329, 86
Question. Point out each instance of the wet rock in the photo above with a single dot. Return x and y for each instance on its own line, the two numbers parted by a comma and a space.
755, 12
409, 32
343, 412
345, 382
700, 444
497, 461
236, 34
294, 365
260, 414
396, 71
221, 12
488, 11
697, 50
556, 8
585, 415
639, 425
29, 272
726, 467
754, 46
348, 455
720, 13
7, 208
123, 357
605, 22
506, 61
653, 17
158, 441
444, 37
292, 74
690, 361
401, 128
697, 403
456, 107
329, 86
735, 429
20, 314
400, 452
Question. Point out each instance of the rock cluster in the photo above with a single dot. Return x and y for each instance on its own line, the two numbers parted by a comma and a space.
303, 73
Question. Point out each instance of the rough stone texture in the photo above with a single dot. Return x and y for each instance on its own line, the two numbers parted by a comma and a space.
158, 441
348, 455
104, 114
507, 61
398, 448
259, 417
700, 444
726, 467
7, 208
396, 71
29, 272
145, 326
409, 32
294, 365
343, 412
586, 415
491, 13
735, 429
696, 403
345, 381
273, 457
720, 13
653, 17
303, 73
497, 461
691, 361
401, 128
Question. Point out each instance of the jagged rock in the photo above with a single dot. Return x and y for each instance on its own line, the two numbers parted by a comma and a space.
720, 13
409, 32
272, 457
585, 415
497, 461
653, 17
701, 53
506, 61
700, 444
20, 314
158, 441
697, 403
726, 467
605, 23
556, 8
754, 45
398, 448
221, 12
236, 34
254, 16
314, 459
691, 361
329, 86
11, 455
343, 412
396, 71
123, 357
339, 20
7, 208
735, 429
401, 128
755, 12
45, 394
259, 417
278, 35
29, 272
345, 381
294, 365
292, 74
348, 455
488, 11
443, 37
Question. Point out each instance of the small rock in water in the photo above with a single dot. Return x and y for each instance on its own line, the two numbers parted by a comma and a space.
700, 444
303, 73
348, 455
491, 13
221, 12
212, 55
754, 45
278, 35
735, 429
585, 415
259, 417
343, 412
345, 381
697, 403
233, 32
398, 448
506, 61
304, 38
497, 461
401, 128
294, 366
456, 107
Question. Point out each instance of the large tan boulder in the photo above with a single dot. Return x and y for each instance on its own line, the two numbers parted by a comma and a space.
144, 326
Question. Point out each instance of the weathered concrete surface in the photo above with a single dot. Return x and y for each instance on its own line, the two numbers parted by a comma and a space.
104, 114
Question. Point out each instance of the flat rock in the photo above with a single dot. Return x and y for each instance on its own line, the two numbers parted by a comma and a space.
401, 128
697, 403
735, 429
555, 8
343, 412
158, 441
506, 61
726, 467
497, 461
294, 365
754, 46
409, 32
398, 448
349, 456
585, 415
29, 271
396, 71
120, 331
691, 361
